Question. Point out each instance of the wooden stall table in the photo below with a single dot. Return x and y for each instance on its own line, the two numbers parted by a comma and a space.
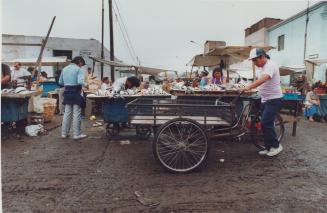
294, 106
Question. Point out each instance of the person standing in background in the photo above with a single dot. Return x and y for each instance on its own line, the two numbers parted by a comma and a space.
73, 79
5, 76
19, 76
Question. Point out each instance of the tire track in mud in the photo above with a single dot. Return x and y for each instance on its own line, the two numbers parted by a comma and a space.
85, 187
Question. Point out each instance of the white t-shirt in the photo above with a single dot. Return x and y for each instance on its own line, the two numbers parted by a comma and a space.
16, 74
271, 88
119, 84
105, 86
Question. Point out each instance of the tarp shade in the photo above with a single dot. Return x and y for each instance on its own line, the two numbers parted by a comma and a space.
289, 70
140, 69
204, 60
46, 61
230, 54
235, 53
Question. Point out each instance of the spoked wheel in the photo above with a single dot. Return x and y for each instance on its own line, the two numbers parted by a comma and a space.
181, 145
279, 128
143, 132
112, 129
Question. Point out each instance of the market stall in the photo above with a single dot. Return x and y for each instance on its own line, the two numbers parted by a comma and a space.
14, 108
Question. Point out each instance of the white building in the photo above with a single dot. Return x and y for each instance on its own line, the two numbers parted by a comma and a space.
288, 36
20, 47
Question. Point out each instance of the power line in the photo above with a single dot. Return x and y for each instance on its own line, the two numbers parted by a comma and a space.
125, 29
125, 39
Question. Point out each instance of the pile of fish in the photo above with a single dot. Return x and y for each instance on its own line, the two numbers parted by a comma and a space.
134, 92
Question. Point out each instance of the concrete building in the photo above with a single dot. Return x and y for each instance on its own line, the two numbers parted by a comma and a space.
20, 46
288, 36
257, 34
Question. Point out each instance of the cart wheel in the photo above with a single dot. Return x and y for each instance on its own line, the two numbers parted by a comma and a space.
279, 128
112, 129
143, 132
181, 145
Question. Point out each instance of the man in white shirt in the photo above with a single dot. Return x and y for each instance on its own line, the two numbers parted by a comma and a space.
268, 84
125, 83
19, 75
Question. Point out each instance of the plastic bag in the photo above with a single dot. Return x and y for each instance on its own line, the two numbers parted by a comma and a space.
33, 130
36, 104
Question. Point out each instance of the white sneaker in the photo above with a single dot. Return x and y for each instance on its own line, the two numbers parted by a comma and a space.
263, 152
81, 136
64, 136
275, 151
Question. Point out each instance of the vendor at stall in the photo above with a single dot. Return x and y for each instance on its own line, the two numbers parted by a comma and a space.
218, 76
43, 77
20, 76
5, 76
204, 78
106, 84
125, 83
312, 104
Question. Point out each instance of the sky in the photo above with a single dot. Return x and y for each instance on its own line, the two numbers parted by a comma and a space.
160, 31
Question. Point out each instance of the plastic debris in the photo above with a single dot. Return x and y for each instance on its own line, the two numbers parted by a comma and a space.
92, 118
222, 160
34, 130
145, 201
126, 142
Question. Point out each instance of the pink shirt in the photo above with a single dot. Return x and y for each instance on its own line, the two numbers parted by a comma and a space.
271, 88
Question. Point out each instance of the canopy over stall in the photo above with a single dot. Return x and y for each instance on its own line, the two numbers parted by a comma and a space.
133, 68
46, 61
228, 54
310, 65
283, 70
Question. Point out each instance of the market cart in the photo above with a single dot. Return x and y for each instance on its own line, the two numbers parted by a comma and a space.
115, 113
14, 108
183, 127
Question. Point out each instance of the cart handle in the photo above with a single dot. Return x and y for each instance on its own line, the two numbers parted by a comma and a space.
233, 102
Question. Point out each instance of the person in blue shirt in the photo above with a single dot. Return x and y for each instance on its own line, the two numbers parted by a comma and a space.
73, 79
204, 78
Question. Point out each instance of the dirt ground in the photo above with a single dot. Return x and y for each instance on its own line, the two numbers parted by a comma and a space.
49, 174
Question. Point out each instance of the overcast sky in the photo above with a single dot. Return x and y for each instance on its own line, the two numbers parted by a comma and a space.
160, 30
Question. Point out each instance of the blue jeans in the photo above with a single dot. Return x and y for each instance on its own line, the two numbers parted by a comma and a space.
72, 114
269, 111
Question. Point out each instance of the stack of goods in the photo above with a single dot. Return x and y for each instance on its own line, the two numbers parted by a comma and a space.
94, 85
49, 105
210, 87
154, 91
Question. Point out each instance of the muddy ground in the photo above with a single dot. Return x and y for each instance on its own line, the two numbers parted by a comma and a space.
49, 174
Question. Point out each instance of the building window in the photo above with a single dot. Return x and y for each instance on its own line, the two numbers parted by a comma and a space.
281, 40
67, 53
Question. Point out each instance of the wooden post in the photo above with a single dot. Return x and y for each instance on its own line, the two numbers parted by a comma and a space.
44, 42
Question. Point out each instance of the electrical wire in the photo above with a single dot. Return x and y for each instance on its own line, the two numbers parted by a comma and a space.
125, 41
124, 33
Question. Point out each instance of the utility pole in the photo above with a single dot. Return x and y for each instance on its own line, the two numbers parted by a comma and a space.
102, 36
306, 31
112, 55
